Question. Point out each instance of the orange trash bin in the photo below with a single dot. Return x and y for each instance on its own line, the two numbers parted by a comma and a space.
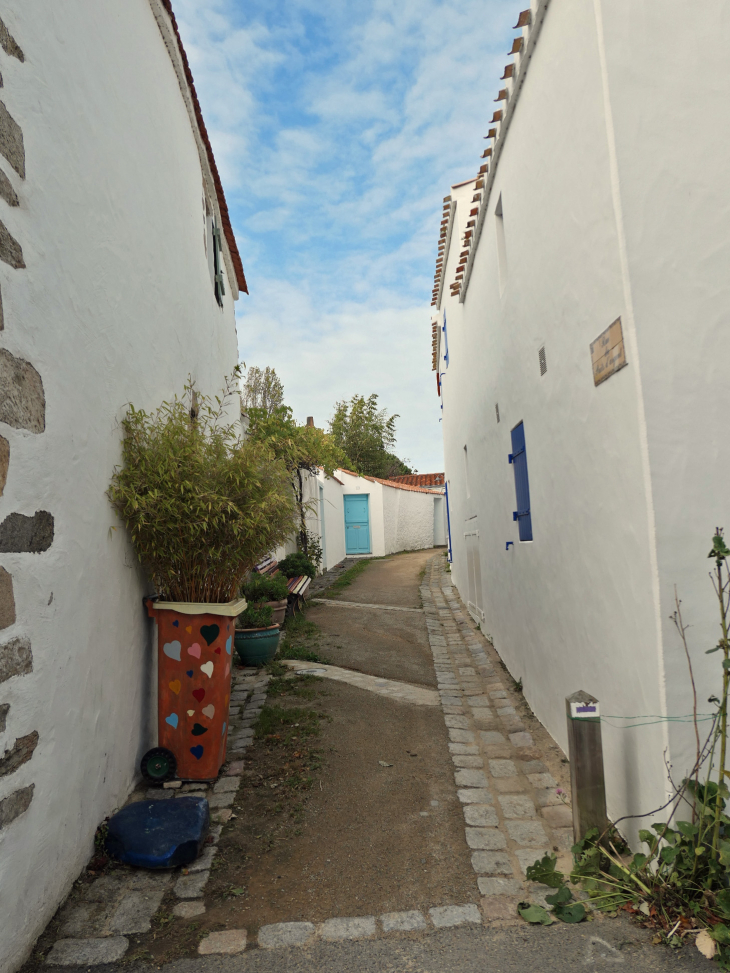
194, 661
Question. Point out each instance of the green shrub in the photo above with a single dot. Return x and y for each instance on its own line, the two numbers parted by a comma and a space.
262, 588
255, 616
296, 564
201, 504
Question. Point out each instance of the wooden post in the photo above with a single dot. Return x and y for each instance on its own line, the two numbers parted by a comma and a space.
586, 764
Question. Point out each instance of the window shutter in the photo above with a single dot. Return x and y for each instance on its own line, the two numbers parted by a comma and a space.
217, 264
518, 458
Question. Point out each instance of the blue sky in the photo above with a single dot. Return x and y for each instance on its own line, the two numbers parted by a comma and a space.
338, 128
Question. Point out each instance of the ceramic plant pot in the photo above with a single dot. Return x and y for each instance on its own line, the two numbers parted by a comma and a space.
257, 646
194, 658
278, 611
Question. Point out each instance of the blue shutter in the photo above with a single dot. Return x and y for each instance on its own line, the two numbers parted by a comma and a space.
446, 342
518, 458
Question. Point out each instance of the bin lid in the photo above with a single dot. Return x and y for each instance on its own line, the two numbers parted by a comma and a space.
229, 608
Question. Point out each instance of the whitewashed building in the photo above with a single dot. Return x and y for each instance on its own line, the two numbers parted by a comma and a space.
356, 516
581, 335
118, 273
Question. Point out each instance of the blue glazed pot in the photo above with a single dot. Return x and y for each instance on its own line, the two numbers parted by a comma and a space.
256, 646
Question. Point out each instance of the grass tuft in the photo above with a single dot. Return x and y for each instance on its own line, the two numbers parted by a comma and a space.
345, 579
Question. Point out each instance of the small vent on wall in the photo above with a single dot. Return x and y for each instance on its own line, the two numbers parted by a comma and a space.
543, 362
496, 409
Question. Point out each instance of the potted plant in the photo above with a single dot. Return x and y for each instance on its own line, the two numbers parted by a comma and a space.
272, 591
257, 636
202, 506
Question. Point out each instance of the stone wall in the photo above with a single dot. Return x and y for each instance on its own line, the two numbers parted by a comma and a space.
22, 406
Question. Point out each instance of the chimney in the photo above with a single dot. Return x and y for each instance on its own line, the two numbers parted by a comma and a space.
310, 421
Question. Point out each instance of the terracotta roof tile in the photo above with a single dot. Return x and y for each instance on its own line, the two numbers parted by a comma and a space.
222, 205
420, 479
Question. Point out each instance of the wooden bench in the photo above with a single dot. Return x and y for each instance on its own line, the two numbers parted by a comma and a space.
297, 586
297, 592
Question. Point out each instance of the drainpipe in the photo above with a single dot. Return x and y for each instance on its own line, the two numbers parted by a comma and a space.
448, 518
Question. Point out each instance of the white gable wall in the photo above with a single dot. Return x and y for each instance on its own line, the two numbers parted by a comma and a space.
116, 305
676, 220
577, 607
408, 519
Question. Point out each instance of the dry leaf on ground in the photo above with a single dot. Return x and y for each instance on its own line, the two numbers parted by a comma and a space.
706, 944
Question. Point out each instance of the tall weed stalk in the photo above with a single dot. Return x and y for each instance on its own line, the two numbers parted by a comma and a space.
681, 884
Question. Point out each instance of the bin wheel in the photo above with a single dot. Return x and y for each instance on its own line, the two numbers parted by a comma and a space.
158, 765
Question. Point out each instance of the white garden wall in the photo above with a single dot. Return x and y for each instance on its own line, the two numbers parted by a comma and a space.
115, 305
408, 519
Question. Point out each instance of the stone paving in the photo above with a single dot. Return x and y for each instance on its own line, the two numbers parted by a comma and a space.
407, 693
512, 813
96, 920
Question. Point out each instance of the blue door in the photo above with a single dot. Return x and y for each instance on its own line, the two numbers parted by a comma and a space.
357, 524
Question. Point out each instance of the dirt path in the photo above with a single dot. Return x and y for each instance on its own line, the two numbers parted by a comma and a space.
349, 800
392, 644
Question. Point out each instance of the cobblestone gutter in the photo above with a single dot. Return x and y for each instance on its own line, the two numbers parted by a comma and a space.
512, 813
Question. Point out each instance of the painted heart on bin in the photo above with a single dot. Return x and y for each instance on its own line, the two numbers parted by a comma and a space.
190, 712
229, 640
228, 669
199, 694
207, 668
172, 650
176, 686
172, 720
176, 623
194, 650
210, 633
197, 752
189, 629
209, 711
223, 730
218, 650
198, 730
189, 672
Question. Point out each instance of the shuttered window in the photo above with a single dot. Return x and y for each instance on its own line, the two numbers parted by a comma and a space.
218, 265
518, 458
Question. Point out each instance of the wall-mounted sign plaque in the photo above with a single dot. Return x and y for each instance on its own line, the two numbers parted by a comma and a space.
607, 352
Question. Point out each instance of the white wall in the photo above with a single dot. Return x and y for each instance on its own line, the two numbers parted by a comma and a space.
334, 520
676, 221
116, 306
578, 607
408, 519
440, 532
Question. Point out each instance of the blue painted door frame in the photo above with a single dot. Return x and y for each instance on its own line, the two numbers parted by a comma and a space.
357, 523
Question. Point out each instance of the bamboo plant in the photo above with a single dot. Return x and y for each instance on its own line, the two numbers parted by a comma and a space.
202, 504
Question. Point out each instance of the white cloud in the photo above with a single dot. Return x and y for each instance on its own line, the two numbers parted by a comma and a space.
337, 129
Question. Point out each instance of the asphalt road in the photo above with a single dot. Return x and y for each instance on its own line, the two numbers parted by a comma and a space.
601, 946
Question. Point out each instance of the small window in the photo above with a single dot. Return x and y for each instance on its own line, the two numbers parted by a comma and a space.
218, 265
518, 458
446, 343
496, 409
214, 251
543, 361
